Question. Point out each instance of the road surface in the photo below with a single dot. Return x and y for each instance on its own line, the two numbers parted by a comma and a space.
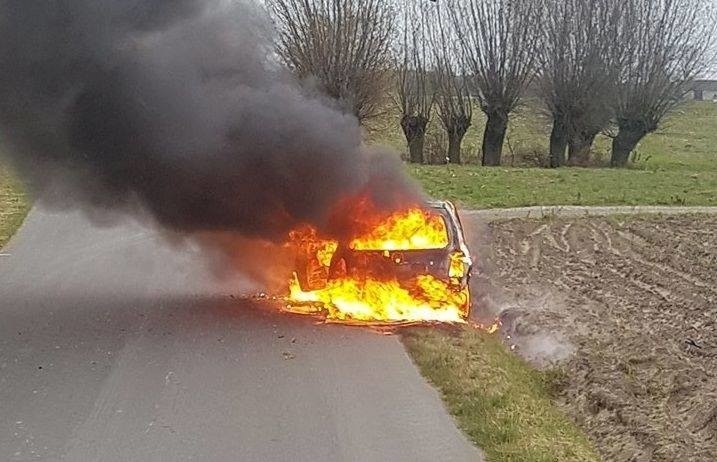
115, 346
557, 211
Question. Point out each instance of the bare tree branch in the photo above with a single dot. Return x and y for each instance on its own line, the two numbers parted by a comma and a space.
668, 49
581, 54
453, 97
498, 40
344, 44
415, 94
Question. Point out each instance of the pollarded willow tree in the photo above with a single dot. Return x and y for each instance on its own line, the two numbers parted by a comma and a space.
453, 98
344, 44
415, 93
668, 48
498, 39
581, 53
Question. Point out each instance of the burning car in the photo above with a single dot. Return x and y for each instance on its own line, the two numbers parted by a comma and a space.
411, 266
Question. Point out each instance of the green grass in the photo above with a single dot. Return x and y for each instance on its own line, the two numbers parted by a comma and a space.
675, 166
475, 186
501, 403
13, 204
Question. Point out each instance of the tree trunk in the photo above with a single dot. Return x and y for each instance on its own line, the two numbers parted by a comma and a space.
414, 128
454, 148
455, 139
623, 145
579, 148
415, 149
494, 137
558, 143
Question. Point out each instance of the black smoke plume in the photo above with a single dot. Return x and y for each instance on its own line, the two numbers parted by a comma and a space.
177, 110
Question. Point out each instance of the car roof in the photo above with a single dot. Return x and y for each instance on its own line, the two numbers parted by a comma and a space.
437, 204
445, 206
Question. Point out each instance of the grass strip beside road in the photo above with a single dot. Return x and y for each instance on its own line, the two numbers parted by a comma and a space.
498, 187
14, 204
500, 402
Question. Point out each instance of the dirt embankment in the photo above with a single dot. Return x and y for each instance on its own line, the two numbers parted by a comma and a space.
629, 306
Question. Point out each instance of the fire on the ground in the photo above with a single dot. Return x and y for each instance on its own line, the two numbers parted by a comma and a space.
410, 266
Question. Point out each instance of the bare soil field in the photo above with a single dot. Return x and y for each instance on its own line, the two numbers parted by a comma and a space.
627, 309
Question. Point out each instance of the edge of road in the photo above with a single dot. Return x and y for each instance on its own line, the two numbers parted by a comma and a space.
560, 211
543, 211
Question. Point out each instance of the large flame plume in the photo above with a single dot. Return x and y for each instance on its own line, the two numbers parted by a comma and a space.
373, 296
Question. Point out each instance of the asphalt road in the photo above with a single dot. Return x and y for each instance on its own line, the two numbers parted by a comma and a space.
115, 346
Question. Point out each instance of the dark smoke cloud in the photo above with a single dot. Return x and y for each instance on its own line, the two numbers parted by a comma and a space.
176, 110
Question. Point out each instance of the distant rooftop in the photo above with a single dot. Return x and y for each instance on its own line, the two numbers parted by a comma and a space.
705, 85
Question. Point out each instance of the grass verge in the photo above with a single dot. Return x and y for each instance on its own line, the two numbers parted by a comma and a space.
474, 186
13, 204
677, 165
499, 401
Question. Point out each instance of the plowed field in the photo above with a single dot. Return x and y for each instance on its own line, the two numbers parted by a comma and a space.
628, 309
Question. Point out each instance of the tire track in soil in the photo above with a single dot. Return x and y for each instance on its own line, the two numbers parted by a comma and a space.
685, 249
636, 297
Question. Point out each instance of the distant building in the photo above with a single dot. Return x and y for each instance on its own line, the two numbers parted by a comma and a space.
704, 90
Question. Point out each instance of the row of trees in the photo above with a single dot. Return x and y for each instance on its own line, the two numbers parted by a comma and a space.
598, 66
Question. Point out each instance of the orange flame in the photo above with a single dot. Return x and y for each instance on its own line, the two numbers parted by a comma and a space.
410, 230
371, 299
388, 301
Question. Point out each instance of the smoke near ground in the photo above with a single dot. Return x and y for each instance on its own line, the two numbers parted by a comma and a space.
176, 111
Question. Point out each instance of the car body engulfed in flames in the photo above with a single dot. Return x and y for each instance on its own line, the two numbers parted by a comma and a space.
412, 266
